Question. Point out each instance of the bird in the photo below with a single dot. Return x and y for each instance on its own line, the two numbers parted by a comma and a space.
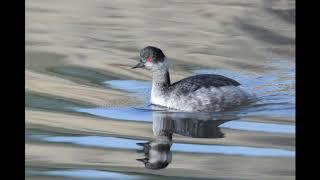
198, 93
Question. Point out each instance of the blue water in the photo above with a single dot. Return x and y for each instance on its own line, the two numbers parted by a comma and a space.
263, 127
135, 114
130, 85
122, 143
88, 174
126, 113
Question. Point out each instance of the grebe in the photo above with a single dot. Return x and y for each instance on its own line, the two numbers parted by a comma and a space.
199, 93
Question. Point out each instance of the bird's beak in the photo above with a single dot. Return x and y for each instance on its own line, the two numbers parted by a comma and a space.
139, 65
144, 160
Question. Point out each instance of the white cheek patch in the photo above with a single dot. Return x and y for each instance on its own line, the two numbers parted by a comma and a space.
148, 65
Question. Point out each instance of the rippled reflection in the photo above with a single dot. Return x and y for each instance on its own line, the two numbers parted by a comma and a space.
158, 154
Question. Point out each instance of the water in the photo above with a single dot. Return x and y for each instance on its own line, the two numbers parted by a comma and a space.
88, 114
121, 143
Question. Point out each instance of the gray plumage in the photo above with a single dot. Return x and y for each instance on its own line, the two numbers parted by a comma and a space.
193, 83
205, 92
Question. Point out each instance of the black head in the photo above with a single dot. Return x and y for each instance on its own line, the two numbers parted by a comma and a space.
149, 56
151, 53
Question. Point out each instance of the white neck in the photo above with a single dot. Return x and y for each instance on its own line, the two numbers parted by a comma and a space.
160, 83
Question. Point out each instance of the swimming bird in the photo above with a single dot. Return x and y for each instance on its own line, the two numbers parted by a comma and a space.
199, 93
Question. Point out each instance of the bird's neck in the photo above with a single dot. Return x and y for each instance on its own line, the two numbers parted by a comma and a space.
160, 79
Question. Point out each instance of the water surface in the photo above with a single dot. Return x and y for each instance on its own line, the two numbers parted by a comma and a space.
88, 114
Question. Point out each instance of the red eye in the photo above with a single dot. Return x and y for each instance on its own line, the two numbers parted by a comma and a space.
149, 59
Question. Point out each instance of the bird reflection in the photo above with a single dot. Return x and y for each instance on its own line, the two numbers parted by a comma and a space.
197, 125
